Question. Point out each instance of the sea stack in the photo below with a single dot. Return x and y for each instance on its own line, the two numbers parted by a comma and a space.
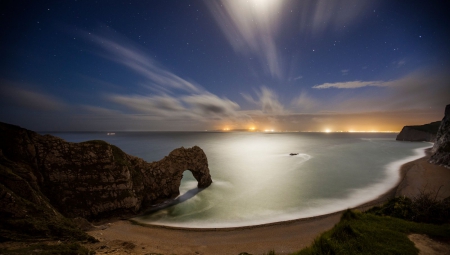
441, 148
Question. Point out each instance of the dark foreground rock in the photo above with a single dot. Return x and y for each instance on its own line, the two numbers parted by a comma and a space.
422, 133
44, 180
441, 148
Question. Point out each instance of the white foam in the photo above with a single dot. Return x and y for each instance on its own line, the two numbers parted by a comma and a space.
317, 207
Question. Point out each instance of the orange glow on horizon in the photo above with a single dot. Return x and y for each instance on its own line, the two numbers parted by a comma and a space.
359, 131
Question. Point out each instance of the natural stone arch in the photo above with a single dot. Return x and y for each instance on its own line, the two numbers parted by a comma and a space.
91, 179
176, 163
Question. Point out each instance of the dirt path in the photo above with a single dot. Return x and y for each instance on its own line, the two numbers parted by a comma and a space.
428, 246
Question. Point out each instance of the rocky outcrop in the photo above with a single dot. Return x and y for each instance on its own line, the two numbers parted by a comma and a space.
45, 176
422, 133
441, 148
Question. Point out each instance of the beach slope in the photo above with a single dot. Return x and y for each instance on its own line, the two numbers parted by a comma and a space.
283, 237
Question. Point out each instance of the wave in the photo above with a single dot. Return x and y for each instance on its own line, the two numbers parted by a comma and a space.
316, 207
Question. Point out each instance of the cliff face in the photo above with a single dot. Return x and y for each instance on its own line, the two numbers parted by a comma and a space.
441, 148
94, 180
422, 133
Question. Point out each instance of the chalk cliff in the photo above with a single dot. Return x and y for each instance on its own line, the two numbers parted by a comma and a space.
421, 133
441, 148
45, 177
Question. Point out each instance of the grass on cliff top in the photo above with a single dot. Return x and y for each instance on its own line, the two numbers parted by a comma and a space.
367, 233
385, 229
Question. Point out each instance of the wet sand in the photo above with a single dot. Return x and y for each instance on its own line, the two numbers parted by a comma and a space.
124, 237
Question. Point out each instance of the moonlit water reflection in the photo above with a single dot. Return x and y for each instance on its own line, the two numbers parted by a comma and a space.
255, 180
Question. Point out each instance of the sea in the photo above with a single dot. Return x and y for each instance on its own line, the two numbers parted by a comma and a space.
257, 181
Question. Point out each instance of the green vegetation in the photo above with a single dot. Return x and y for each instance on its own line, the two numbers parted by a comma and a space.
64, 248
367, 233
432, 127
385, 229
423, 208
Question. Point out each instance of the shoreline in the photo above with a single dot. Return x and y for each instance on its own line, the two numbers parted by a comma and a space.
384, 197
283, 237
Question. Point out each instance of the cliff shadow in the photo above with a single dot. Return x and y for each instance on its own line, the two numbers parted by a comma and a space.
178, 200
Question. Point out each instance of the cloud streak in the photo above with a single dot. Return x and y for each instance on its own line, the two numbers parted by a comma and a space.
251, 27
350, 85
15, 95
318, 16
422, 89
174, 99
123, 52
201, 107
267, 101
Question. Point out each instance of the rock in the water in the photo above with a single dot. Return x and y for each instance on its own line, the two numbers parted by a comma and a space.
441, 148
45, 177
422, 133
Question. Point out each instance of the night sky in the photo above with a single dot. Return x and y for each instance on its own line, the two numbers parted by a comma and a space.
346, 65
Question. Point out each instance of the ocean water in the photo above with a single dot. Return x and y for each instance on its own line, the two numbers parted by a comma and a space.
255, 181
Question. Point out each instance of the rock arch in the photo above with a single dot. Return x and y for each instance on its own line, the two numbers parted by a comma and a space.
176, 163
91, 179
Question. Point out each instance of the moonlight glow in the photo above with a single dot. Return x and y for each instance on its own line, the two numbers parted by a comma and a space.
211, 65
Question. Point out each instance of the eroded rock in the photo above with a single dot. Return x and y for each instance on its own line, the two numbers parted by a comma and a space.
441, 148
93, 179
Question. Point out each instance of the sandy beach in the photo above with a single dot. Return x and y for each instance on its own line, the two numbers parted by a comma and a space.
124, 237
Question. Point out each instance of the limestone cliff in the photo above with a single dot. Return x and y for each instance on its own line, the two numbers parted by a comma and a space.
421, 133
441, 148
47, 177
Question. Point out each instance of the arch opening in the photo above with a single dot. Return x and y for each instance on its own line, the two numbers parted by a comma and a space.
188, 186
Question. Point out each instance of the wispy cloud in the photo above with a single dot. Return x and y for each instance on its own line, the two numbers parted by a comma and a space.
174, 98
99, 110
211, 106
122, 51
345, 71
267, 101
15, 95
162, 106
350, 84
411, 91
318, 16
399, 63
305, 103
251, 27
